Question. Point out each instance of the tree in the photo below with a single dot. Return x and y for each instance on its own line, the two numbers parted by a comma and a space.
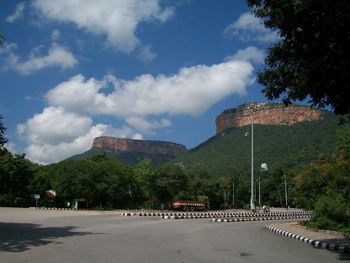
3, 139
311, 60
2, 39
343, 140
15, 175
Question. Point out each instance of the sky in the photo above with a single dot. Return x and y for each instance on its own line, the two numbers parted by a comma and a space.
142, 69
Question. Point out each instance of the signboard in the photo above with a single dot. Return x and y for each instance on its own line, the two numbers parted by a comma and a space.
36, 196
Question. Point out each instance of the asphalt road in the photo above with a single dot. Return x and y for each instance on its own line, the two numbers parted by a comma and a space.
28, 235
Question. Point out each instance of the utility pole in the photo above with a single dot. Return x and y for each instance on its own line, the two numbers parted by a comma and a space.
252, 205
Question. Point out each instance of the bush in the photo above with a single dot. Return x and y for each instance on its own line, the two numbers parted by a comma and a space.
330, 213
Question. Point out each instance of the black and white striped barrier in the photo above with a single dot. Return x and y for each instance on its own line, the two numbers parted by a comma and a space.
241, 219
316, 243
216, 214
250, 219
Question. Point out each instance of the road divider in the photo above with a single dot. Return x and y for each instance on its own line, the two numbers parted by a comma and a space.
332, 246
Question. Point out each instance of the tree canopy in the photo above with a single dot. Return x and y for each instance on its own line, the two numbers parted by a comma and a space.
311, 60
3, 139
2, 39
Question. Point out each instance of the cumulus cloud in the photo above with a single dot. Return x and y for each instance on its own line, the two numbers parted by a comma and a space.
54, 125
252, 54
65, 127
250, 28
57, 56
191, 91
116, 19
56, 134
55, 35
146, 54
146, 126
17, 14
11, 147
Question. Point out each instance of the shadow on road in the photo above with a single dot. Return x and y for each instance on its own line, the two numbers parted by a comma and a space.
17, 237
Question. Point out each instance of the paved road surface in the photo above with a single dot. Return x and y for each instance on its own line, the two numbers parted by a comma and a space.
28, 235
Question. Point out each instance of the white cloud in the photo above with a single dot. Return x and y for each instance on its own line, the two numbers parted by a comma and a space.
56, 134
17, 14
250, 28
138, 136
57, 56
64, 128
252, 54
54, 125
146, 54
191, 91
11, 147
55, 35
145, 126
116, 19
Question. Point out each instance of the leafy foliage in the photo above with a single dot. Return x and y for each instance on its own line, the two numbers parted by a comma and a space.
131, 158
15, 175
330, 213
3, 139
2, 39
325, 187
311, 59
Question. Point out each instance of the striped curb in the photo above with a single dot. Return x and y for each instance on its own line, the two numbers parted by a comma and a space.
250, 219
216, 214
316, 243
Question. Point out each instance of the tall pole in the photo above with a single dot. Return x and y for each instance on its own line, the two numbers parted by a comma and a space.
252, 205
285, 190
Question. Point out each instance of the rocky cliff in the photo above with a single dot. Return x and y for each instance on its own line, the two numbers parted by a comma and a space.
138, 146
265, 114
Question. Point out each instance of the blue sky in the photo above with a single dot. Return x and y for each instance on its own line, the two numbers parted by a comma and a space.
156, 70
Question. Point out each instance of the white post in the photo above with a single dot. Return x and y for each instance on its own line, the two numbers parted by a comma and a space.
252, 205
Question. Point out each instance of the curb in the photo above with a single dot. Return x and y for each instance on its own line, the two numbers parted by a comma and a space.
316, 243
228, 220
195, 215
87, 209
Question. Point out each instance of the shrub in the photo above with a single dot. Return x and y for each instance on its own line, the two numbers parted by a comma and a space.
330, 213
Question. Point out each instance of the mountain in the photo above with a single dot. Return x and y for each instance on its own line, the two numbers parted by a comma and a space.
133, 151
288, 137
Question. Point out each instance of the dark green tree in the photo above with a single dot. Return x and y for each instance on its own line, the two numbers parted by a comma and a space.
311, 60
3, 139
2, 39
168, 182
15, 175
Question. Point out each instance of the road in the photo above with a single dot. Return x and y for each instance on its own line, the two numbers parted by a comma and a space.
28, 235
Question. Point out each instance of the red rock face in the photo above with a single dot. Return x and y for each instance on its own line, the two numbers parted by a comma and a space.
139, 146
266, 114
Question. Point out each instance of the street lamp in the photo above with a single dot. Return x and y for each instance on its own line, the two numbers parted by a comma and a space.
252, 205
263, 169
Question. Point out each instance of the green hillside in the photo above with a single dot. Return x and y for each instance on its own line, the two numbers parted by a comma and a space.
131, 158
288, 146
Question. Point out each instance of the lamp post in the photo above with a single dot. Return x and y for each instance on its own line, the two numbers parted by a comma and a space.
263, 169
252, 204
